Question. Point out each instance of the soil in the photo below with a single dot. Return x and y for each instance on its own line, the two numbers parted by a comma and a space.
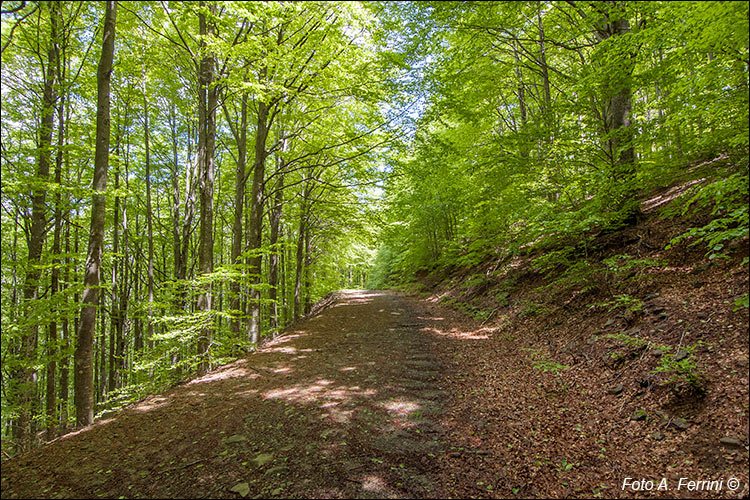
347, 404
388, 395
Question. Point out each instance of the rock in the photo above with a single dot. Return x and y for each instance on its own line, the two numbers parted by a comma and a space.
657, 353
639, 415
615, 389
242, 488
681, 354
701, 269
262, 459
657, 310
731, 442
657, 436
279, 469
236, 438
680, 424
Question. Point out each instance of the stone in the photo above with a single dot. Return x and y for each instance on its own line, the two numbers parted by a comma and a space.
657, 353
680, 424
262, 459
236, 438
278, 470
639, 415
242, 488
731, 442
615, 389
681, 354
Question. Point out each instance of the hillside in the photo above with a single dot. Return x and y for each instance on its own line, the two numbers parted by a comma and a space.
581, 367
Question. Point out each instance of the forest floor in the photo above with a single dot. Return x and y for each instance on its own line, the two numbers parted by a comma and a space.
380, 395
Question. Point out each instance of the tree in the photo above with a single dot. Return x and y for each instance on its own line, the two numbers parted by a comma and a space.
84, 391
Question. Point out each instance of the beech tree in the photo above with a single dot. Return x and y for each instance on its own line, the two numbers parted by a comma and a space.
265, 154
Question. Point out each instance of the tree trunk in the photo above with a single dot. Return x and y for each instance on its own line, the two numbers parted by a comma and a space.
27, 375
273, 259
206, 141
256, 222
618, 108
239, 203
53, 340
149, 223
84, 395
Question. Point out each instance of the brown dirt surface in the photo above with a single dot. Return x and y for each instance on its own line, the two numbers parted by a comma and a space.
344, 405
384, 395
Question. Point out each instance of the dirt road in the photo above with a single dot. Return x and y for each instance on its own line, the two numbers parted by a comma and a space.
345, 405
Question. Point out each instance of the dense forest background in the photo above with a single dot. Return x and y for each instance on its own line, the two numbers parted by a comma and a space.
181, 180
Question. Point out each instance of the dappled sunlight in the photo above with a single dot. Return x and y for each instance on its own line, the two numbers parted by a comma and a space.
149, 404
668, 195
428, 318
400, 407
234, 370
285, 350
334, 399
374, 483
455, 333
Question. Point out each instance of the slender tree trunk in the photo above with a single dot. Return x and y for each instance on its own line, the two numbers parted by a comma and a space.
273, 259
149, 223
53, 340
65, 361
102, 387
84, 396
255, 227
308, 281
284, 296
207, 136
299, 262
27, 375
239, 203
114, 298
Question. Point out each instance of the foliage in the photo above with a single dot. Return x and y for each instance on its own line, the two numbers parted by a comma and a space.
623, 301
512, 153
728, 200
684, 373
543, 363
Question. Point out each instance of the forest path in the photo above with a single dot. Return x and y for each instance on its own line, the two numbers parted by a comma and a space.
347, 404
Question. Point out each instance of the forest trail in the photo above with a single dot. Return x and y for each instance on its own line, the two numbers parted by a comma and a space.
345, 404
